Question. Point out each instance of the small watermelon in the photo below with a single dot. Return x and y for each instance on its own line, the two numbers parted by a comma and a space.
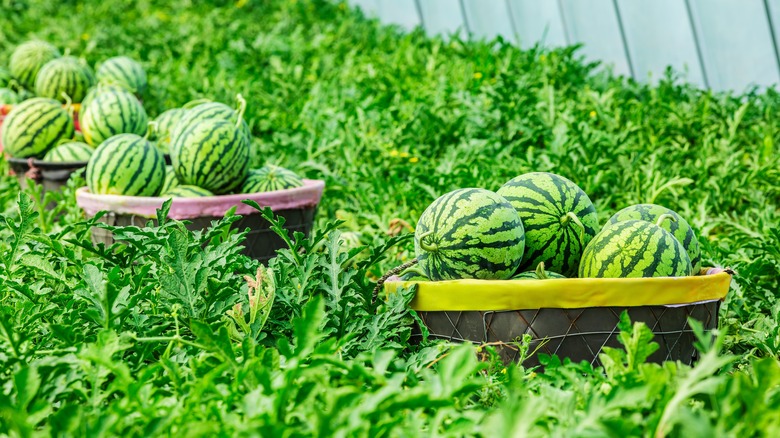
126, 164
170, 180
676, 225
212, 154
634, 248
558, 217
35, 126
187, 192
110, 112
66, 76
210, 111
270, 178
70, 152
8, 97
165, 124
469, 233
539, 274
28, 58
124, 72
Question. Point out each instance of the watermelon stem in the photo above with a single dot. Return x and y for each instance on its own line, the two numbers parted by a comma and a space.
241, 109
571, 217
151, 128
664, 217
69, 105
427, 247
540, 272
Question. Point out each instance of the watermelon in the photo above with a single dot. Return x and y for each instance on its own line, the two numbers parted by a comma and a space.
634, 248
165, 124
8, 97
212, 154
110, 112
170, 180
35, 126
539, 274
70, 152
124, 72
211, 111
187, 192
65, 79
126, 164
270, 178
469, 233
675, 224
28, 58
558, 217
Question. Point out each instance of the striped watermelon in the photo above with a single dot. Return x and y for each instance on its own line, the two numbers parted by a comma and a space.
126, 164
210, 111
539, 274
110, 112
27, 60
124, 72
469, 233
70, 152
8, 97
65, 79
634, 248
212, 154
676, 225
35, 126
170, 180
270, 178
558, 217
187, 192
165, 124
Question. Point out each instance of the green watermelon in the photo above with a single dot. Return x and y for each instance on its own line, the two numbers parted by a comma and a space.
558, 217
8, 97
124, 72
469, 233
634, 248
110, 112
539, 274
28, 58
165, 124
64, 79
170, 180
676, 225
270, 178
187, 192
126, 164
212, 154
70, 152
35, 126
210, 111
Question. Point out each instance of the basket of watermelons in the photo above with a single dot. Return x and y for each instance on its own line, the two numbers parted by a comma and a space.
210, 175
532, 259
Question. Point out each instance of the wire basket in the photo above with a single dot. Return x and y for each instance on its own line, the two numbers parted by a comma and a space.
297, 206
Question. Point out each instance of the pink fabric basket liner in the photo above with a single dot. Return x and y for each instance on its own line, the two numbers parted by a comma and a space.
190, 208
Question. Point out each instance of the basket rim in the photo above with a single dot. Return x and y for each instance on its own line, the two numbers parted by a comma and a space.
309, 195
565, 293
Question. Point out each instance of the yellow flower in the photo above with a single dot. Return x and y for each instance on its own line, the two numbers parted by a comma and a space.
414, 160
84, 36
404, 154
477, 75
394, 153
593, 114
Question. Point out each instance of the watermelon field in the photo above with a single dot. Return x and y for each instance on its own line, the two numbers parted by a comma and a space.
171, 331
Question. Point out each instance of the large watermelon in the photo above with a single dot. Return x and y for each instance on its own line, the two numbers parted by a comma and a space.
212, 154
676, 225
8, 97
558, 217
187, 192
70, 152
165, 124
110, 112
35, 126
270, 178
66, 76
634, 248
28, 58
124, 72
126, 164
210, 111
469, 233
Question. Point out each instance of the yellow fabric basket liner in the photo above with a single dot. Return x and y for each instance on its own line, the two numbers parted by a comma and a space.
564, 293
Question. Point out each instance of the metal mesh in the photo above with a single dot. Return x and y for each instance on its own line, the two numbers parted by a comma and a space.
261, 242
579, 334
